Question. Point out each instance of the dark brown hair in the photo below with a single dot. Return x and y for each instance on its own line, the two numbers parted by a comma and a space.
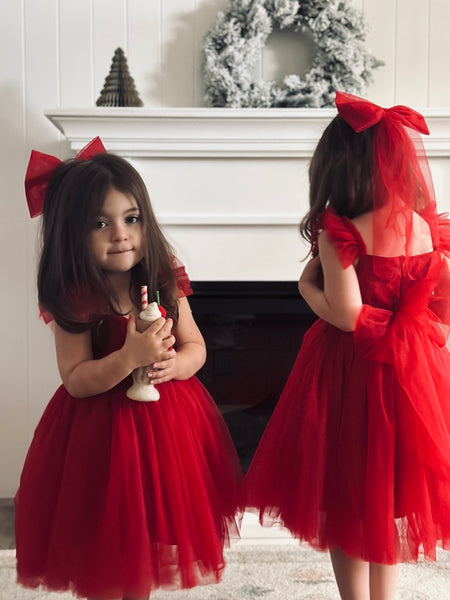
67, 274
340, 174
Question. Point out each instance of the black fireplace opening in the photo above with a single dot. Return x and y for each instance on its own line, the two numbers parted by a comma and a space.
253, 331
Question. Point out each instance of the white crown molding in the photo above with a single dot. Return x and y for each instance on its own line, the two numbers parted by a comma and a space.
217, 132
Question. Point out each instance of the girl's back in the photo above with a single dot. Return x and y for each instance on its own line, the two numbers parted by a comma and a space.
391, 276
394, 245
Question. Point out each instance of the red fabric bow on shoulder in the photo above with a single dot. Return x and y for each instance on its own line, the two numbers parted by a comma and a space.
361, 114
41, 168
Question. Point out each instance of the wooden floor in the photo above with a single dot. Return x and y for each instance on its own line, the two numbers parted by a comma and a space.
7, 540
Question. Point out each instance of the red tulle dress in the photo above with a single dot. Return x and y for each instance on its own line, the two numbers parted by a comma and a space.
357, 453
119, 497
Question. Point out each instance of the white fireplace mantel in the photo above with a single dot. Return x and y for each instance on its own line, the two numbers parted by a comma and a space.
217, 132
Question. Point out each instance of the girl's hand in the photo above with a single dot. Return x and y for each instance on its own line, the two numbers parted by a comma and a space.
164, 370
190, 354
152, 345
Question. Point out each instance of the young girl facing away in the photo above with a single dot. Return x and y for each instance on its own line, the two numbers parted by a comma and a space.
119, 497
356, 457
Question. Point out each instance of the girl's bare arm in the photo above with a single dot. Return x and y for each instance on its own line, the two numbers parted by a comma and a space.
338, 299
85, 376
190, 349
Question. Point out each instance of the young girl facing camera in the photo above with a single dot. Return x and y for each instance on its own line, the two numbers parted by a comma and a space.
356, 457
119, 496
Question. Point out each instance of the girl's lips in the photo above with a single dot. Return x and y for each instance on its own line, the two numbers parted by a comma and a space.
120, 251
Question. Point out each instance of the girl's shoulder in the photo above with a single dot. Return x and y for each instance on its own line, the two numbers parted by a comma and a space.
344, 236
84, 305
410, 235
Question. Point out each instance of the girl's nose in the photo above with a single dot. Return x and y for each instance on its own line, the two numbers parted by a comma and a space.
119, 232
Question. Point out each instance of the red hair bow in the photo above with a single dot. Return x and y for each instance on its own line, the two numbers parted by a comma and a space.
40, 170
361, 114
401, 178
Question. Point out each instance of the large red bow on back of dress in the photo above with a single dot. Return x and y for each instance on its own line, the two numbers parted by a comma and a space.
41, 168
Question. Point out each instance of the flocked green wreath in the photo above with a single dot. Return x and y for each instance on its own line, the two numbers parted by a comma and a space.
233, 47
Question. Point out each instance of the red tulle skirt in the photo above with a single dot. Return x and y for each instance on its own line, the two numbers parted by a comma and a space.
120, 497
356, 454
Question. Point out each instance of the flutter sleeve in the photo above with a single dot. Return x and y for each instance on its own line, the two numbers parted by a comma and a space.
45, 316
443, 243
342, 236
85, 304
183, 281
440, 299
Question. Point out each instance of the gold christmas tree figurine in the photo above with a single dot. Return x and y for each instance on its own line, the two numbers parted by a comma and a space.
119, 88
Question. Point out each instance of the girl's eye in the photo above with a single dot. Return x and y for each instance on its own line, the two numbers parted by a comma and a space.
131, 219
100, 224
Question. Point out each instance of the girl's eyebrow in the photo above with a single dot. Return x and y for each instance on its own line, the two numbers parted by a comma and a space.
125, 212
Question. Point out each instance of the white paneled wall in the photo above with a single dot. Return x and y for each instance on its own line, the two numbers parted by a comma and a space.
56, 53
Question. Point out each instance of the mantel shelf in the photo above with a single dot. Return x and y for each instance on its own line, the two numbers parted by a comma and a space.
216, 132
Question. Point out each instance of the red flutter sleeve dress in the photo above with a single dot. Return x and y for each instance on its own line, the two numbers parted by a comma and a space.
119, 497
357, 453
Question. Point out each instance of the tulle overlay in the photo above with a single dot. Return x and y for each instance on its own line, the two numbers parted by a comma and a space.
120, 497
357, 453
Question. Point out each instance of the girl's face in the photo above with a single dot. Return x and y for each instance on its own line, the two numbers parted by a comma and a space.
116, 240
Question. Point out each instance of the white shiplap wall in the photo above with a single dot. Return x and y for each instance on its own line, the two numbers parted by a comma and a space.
56, 53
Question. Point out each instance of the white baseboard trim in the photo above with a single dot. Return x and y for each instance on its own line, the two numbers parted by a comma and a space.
253, 534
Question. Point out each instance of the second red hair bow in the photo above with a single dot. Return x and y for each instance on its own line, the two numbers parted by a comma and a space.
361, 114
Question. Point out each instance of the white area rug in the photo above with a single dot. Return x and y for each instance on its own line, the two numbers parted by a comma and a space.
281, 571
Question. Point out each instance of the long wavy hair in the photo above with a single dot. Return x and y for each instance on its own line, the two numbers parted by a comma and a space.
340, 175
71, 286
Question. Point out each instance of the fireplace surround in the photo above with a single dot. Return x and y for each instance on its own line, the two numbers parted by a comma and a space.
253, 331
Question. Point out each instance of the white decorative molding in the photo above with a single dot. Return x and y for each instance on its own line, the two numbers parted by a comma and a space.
217, 132
195, 132
222, 219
